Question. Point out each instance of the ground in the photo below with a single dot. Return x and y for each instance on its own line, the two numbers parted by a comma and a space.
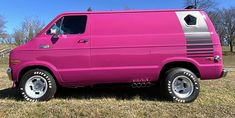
216, 99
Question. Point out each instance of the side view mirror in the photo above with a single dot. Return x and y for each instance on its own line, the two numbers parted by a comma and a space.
55, 31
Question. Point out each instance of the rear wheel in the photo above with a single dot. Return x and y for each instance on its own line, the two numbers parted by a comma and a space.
37, 85
181, 85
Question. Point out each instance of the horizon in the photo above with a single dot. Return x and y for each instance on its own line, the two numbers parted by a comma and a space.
17, 12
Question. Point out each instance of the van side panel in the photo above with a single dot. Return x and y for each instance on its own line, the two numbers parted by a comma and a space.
214, 72
127, 47
202, 43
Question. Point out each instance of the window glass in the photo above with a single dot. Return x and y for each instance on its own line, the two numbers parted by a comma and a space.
70, 25
190, 20
56, 26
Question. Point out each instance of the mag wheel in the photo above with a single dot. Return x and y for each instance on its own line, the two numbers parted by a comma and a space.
37, 85
181, 85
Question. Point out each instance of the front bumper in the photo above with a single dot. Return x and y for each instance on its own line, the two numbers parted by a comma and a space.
224, 73
9, 73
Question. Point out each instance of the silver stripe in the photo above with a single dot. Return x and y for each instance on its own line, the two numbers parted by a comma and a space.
199, 41
198, 35
201, 25
198, 31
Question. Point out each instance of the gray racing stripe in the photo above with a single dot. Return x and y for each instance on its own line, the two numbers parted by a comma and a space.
198, 37
199, 42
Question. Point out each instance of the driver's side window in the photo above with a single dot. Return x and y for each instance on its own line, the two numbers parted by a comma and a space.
56, 26
69, 25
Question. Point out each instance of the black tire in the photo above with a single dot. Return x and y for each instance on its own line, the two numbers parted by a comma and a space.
189, 80
48, 85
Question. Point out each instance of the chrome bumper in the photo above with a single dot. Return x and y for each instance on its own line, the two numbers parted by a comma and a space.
9, 73
224, 73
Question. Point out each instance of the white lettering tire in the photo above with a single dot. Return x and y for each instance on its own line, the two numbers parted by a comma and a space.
37, 85
181, 85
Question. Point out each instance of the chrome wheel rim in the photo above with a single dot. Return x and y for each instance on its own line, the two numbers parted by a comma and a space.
182, 87
36, 87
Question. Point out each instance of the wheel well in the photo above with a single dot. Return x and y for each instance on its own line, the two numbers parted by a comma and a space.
186, 65
26, 69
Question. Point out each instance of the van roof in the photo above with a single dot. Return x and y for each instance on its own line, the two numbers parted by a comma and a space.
128, 11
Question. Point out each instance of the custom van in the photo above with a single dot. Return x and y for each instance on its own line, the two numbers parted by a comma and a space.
140, 48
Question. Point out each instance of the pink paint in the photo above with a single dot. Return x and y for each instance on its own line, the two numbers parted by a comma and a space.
122, 47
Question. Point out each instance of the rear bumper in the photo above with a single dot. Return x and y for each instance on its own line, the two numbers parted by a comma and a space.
212, 71
224, 73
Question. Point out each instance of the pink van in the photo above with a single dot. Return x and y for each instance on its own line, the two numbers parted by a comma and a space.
142, 48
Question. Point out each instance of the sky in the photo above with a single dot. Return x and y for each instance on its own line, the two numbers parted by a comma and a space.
15, 11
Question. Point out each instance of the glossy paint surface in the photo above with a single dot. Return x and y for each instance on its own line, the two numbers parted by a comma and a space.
122, 47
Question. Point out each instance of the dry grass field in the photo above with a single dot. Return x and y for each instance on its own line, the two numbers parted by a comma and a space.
217, 99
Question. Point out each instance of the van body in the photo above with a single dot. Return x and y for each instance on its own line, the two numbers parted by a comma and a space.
89, 48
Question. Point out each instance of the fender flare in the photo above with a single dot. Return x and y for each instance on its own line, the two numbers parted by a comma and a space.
51, 67
179, 59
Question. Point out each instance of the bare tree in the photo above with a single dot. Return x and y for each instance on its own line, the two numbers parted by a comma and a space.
6, 38
205, 5
18, 35
224, 22
215, 17
2, 27
29, 28
227, 21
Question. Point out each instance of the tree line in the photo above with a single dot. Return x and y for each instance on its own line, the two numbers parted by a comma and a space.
29, 28
223, 20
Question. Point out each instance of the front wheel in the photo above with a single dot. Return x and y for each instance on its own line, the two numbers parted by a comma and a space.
181, 85
37, 85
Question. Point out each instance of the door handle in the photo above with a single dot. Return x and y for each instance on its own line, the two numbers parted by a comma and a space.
83, 41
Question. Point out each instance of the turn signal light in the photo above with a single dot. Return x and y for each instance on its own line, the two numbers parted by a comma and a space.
15, 61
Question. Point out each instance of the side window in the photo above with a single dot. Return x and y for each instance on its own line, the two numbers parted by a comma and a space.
70, 25
74, 24
56, 26
190, 20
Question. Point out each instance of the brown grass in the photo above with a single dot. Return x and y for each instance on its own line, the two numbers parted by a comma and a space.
227, 48
226, 51
229, 61
217, 99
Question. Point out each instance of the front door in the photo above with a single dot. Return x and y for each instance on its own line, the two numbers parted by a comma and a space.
69, 52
